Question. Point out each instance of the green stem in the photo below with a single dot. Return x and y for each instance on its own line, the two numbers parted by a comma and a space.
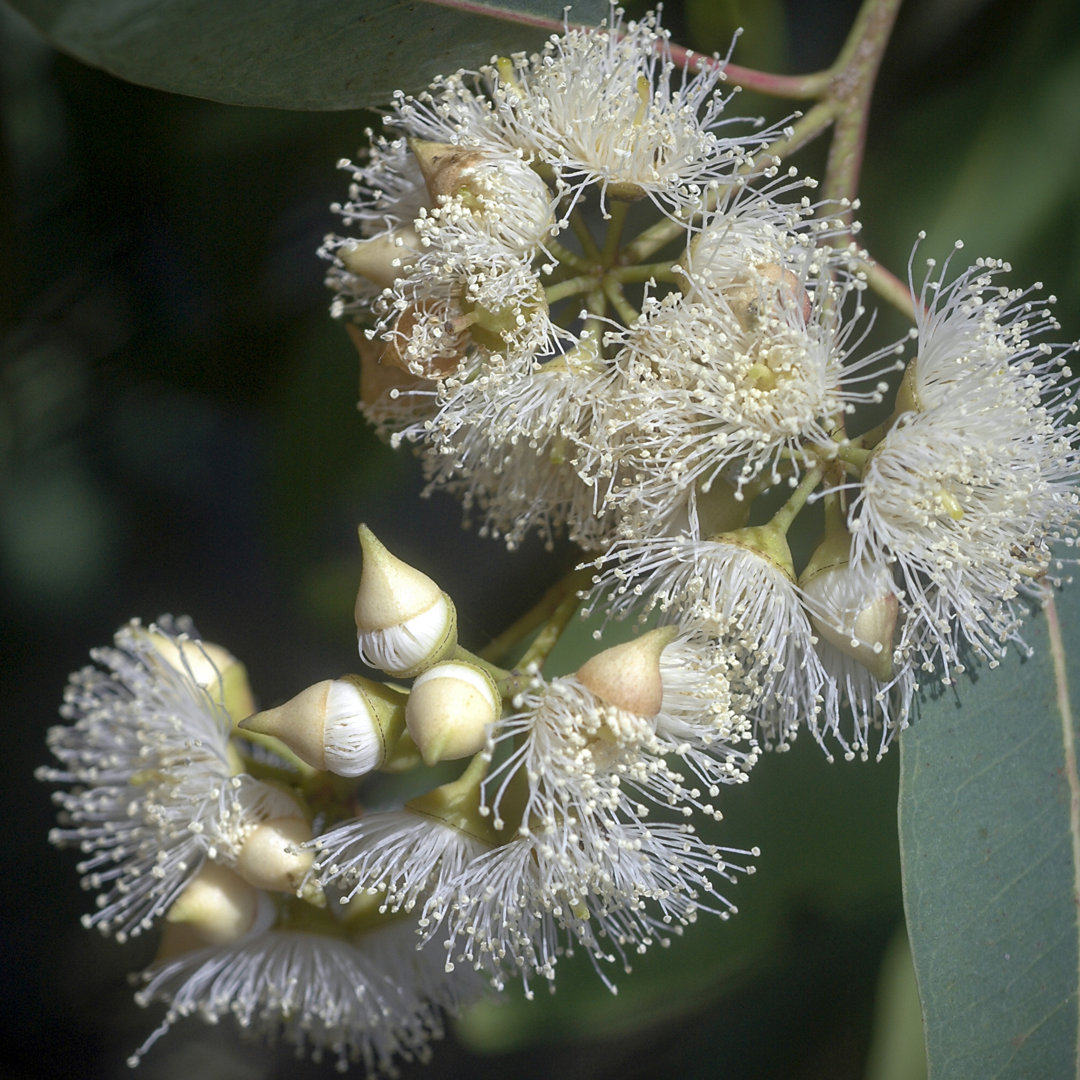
853, 455
652, 240
499, 647
764, 82
661, 271
623, 308
782, 519
803, 131
890, 288
585, 238
855, 73
565, 257
552, 630
586, 283
616, 220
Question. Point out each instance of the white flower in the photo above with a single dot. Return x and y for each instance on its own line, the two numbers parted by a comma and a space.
374, 1001
733, 378
855, 611
966, 505
740, 599
608, 107
510, 442
589, 867
146, 759
978, 345
404, 853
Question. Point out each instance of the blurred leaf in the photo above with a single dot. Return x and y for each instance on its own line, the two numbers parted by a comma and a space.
321, 54
989, 834
898, 1049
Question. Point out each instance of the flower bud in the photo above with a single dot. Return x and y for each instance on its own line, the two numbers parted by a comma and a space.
426, 341
449, 710
259, 834
378, 380
210, 666
854, 608
628, 676
382, 260
271, 858
217, 904
770, 290
346, 726
404, 621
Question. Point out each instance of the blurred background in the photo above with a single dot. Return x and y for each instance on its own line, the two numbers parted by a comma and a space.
178, 433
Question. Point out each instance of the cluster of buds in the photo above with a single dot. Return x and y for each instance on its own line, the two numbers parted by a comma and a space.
195, 812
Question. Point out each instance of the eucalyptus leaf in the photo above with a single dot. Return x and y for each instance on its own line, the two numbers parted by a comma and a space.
989, 818
320, 54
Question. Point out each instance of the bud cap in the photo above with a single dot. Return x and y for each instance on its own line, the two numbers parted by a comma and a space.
628, 676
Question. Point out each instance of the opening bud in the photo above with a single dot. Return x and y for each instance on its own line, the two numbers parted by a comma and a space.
854, 608
404, 621
444, 166
628, 676
267, 846
449, 710
346, 726
210, 666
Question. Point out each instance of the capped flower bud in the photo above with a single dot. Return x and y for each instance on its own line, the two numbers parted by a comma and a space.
210, 666
907, 393
346, 726
218, 905
382, 259
271, 857
449, 710
404, 621
854, 608
628, 676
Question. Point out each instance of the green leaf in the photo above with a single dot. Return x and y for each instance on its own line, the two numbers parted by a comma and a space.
989, 834
319, 54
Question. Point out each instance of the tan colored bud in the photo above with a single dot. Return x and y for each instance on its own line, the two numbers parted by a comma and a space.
444, 166
346, 726
770, 290
218, 905
449, 710
378, 379
404, 621
270, 858
434, 364
628, 676
854, 608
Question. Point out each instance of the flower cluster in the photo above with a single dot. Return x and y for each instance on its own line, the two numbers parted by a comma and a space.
612, 320
592, 313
